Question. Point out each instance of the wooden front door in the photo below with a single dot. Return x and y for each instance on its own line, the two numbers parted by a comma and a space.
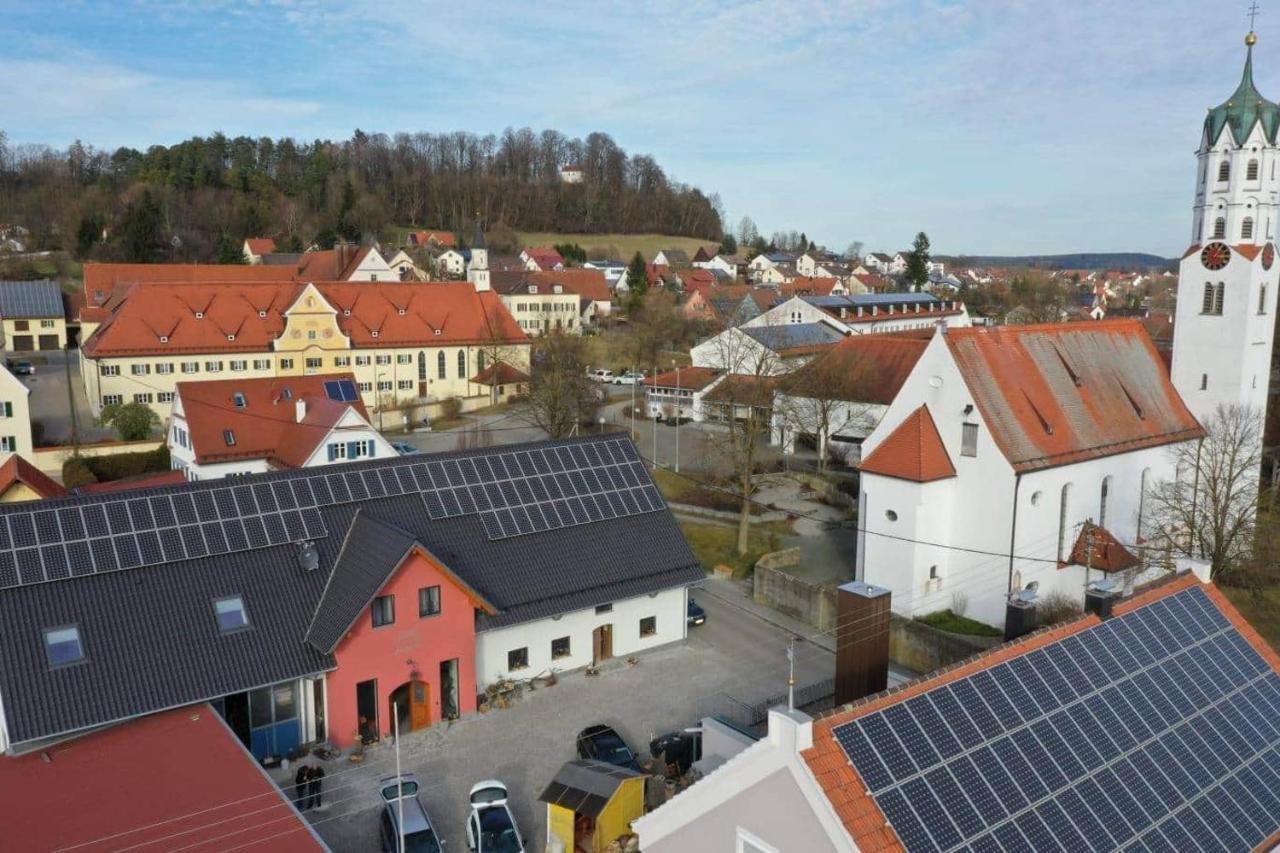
419, 705
601, 644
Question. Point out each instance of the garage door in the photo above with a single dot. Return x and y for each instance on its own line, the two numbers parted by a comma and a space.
48, 342
22, 343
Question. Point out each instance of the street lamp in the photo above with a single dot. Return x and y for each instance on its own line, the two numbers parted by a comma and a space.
377, 391
677, 367
601, 422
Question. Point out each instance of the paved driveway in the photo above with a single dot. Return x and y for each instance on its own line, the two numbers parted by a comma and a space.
49, 402
736, 652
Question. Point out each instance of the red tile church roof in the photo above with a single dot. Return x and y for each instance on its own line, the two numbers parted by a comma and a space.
913, 451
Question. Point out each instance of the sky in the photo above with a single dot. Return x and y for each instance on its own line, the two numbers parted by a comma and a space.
996, 126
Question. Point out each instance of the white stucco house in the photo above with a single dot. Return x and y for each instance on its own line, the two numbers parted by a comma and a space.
724, 264
1016, 441
450, 263
867, 313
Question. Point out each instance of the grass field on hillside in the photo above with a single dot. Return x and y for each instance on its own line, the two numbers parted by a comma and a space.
617, 246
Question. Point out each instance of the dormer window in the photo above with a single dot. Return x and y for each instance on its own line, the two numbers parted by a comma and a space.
229, 436
533, 288
437, 331
287, 393
230, 614
239, 400
62, 645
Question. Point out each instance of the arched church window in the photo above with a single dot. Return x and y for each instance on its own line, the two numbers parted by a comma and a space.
440, 368
1207, 306
1262, 299
1251, 171
1102, 501
1063, 504
1219, 228
1218, 293
1224, 171
1204, 382
462, 364
1246, 228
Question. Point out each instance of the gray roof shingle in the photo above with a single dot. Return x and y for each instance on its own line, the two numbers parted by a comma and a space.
151, 640
30, 299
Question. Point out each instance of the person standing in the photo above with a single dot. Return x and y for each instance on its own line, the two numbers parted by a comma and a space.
301, 782
314, 786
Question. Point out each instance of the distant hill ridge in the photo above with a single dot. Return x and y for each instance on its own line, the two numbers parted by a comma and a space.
1077, 261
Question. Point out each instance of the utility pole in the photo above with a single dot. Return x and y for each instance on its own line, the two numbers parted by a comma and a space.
791, 674
71, 403
653, 423
677, 419
395, 725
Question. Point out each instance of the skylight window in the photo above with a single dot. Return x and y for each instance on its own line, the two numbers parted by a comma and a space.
239, 400
229, 437
62, 645
230, 614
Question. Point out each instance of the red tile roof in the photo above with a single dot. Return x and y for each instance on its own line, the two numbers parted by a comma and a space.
913, 451
179, 779
583, 282
861, 368
146, 481
741, 389
18, 470
1058, 393
261, 245
847, 791
442, 238
254, 314
809, 285
690, 378
546, 259
1097, 548
500, 373
266, 427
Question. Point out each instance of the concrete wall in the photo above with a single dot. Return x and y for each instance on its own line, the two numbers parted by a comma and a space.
773, 587
50, 459
923, 648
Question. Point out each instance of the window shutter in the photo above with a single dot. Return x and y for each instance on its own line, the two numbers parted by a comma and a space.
352, 449
8, 407
333, 452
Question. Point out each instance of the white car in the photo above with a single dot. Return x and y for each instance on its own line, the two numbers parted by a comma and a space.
491, 828
631, 377
602, 375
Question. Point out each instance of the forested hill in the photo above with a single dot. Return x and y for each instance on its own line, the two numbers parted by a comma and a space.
1130, 261
201, 197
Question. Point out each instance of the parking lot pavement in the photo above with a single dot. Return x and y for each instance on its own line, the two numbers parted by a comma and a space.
735, 653
48, 400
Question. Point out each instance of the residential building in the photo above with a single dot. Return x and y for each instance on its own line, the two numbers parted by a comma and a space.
831, 404
1151, 729
541, 259
768, 349
32, 316
878, 262
678, 393
673, 258
613, 271
809, 262
229, 427
869, 313
1007, 440
450, 264
255, 247
541, 302
15, 416
425, 239
403, 267
408, 344
774, 276
571, 174
727, 265
22, 481
178, 777
306, 604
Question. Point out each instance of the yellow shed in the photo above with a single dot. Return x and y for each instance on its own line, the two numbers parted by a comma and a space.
591, 803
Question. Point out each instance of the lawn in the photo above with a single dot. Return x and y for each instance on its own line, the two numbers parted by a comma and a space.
945, 620
1262, 610
619, 247
716, 544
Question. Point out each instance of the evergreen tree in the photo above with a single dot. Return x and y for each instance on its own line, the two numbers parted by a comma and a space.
637, 281
227, 251
917, 272
141, 231
729, 246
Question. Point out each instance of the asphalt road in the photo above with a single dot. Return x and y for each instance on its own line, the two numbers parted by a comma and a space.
48, 400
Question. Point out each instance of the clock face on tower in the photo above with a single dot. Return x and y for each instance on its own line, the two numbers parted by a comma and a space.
1268, 256
1215, 256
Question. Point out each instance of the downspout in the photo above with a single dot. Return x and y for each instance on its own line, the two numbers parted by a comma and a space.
1013, 529
1195, 498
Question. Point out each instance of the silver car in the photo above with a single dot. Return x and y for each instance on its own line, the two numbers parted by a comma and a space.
492, 827
400, 796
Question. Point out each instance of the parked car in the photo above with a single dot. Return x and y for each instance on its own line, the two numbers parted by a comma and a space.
404, 448
601, 375
492, 827
22, 368
602, 743
631, 377
400, 794
696, 615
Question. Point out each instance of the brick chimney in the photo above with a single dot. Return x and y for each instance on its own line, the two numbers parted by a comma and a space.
862, 641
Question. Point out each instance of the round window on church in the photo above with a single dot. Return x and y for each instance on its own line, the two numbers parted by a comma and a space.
1035, 498
890, 515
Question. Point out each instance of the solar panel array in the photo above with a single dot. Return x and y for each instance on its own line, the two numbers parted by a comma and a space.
1156, 730
342, 390
515, 492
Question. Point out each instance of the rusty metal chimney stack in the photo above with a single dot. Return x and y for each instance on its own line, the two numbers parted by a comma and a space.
862, 641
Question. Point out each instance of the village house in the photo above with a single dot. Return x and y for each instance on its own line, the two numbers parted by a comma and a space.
1167, 699
767, 349
450, 263
306, 605
673, 258
677, 394
541, 260
15, 416
410, 345
541, 302
22, 481
32, 316
728, 265
429, 239
228, 427
255, 247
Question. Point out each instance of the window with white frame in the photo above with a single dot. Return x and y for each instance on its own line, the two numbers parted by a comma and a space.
262, 364
8, 444
404, 358
46, 324
109, 370
140, 369
190, 367
164, 397
405, 384
239, 365
362, 361
384, 385
164, 368
342, 361
314, 363
142, 397
383, 359
112, 399
213, 366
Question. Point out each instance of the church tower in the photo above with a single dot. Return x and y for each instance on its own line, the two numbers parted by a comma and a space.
1225, 323
478, 269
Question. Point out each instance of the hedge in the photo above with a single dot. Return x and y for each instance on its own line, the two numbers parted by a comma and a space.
115, 467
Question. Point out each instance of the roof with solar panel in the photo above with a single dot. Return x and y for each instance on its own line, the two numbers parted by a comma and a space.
535, 530
1156, 729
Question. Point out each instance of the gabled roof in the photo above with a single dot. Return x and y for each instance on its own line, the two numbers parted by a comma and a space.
913, 451
1059, 393
1120, 734
688, 378
180, 778
260, 245
149, 633
254, 314
861, 368
742, 389
18, 470
794, 338
675, 257
546, 259
582, 282
500, 373
1097, 548
30, 300
266, 425
442, 238
815, 286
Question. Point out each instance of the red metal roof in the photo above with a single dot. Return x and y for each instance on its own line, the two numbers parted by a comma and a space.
254, 314
266, 427
18, 470
913, 451
176, 780
1059, 393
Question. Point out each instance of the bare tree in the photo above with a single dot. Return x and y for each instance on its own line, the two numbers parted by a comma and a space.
498, 347
561, 395
657, 326
854, 251
827, 396
1209, 509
